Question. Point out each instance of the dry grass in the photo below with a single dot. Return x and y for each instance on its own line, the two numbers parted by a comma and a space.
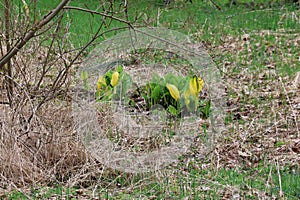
263, 106
44, 151
38, 144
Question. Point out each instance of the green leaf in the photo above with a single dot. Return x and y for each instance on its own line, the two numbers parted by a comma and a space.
146, 98
206, 110
172, 110
172, 79
108, 75
155, 94
119, 69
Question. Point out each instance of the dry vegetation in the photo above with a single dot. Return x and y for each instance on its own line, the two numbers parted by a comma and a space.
265, 102
39, 145
48, 150
38, 142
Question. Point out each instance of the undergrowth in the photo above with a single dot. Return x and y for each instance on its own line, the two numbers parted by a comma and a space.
256, 48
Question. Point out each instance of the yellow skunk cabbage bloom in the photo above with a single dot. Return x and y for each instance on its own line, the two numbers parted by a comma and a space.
114, 79
101, 82
173, 91
196, 85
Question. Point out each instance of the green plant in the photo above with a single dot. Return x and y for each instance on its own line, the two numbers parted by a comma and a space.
177, 94
113, 85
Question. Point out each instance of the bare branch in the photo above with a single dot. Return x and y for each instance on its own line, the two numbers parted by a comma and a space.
31, 33
99, 13
9, 85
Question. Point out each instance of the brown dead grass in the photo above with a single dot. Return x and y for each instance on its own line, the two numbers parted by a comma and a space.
38, 144
48, 149
264, 104
44, 151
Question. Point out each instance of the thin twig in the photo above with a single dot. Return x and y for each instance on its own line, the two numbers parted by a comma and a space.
31, 33
98, 13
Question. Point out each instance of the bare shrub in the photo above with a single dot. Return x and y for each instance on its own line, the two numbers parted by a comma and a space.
38, 142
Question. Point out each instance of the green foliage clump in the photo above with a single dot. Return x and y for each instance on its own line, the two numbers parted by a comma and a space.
177, 94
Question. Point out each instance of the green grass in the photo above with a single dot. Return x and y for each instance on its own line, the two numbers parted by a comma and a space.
186, 18
196, 184
201, 17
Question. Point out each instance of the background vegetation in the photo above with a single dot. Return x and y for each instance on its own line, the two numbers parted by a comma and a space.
256, 48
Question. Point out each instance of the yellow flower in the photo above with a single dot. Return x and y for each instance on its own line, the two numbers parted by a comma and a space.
114, 79
173, 91
101, 82
196, 85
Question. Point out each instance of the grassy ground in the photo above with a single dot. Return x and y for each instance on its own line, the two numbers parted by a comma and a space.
256, 48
